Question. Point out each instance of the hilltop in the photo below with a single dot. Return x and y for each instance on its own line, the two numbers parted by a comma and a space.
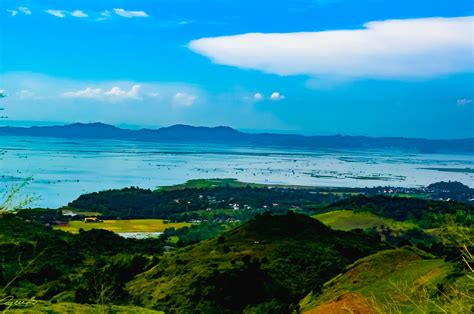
227, 135
265, 264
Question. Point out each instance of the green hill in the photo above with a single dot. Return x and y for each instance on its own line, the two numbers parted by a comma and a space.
349, 220
394, 281
264, 265
425, 213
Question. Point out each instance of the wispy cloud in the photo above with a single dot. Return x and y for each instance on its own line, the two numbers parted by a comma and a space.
184, 99
56, 13
106, 14
79, 13
464, 101
392, 49
24, 10
130, 14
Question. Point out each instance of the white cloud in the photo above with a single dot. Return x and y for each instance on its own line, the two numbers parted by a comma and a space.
258, 96
392, 49
184, 99
79, 13
24, 10
130, 14
186, 22
85, 93
134, 92
104, 15
115, 93
56, 13
464, 101
25, 94
277, 96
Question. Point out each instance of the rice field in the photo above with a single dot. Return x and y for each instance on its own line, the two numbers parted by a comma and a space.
124, 226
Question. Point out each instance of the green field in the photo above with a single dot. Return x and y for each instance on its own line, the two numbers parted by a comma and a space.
348, 220
135, 225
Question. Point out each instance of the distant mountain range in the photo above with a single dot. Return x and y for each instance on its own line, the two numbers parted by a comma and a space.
227, 135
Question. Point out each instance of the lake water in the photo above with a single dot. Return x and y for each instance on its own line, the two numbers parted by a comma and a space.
63, 169
139, 235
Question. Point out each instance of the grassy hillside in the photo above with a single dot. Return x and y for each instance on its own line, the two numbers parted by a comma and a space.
425, 213
349, 220
403, 280
35, 307
264, 265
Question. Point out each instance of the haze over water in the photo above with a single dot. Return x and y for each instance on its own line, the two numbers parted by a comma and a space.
63, 169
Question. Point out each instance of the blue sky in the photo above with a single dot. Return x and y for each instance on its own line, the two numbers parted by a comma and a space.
379, 68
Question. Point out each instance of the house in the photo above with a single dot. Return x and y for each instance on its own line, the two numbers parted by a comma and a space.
92, 220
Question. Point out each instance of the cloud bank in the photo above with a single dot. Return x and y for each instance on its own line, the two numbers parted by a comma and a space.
115, 93
391, 49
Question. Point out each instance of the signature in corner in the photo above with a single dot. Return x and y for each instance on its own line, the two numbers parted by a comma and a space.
11, 302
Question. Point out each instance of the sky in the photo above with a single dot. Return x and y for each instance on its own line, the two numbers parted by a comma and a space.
322, 67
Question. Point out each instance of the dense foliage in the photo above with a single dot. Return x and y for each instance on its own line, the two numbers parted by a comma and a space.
143, 203
195, 233
56, 266
451, 190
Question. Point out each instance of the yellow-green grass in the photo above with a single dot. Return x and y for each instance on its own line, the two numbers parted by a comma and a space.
388, 277
349, 220
119, 226
36, 306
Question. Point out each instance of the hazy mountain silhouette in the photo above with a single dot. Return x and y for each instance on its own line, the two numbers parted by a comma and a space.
222, 134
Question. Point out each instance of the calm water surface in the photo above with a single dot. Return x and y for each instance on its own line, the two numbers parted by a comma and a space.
63, 169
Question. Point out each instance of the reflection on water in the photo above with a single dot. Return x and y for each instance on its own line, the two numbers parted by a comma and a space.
62, 169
